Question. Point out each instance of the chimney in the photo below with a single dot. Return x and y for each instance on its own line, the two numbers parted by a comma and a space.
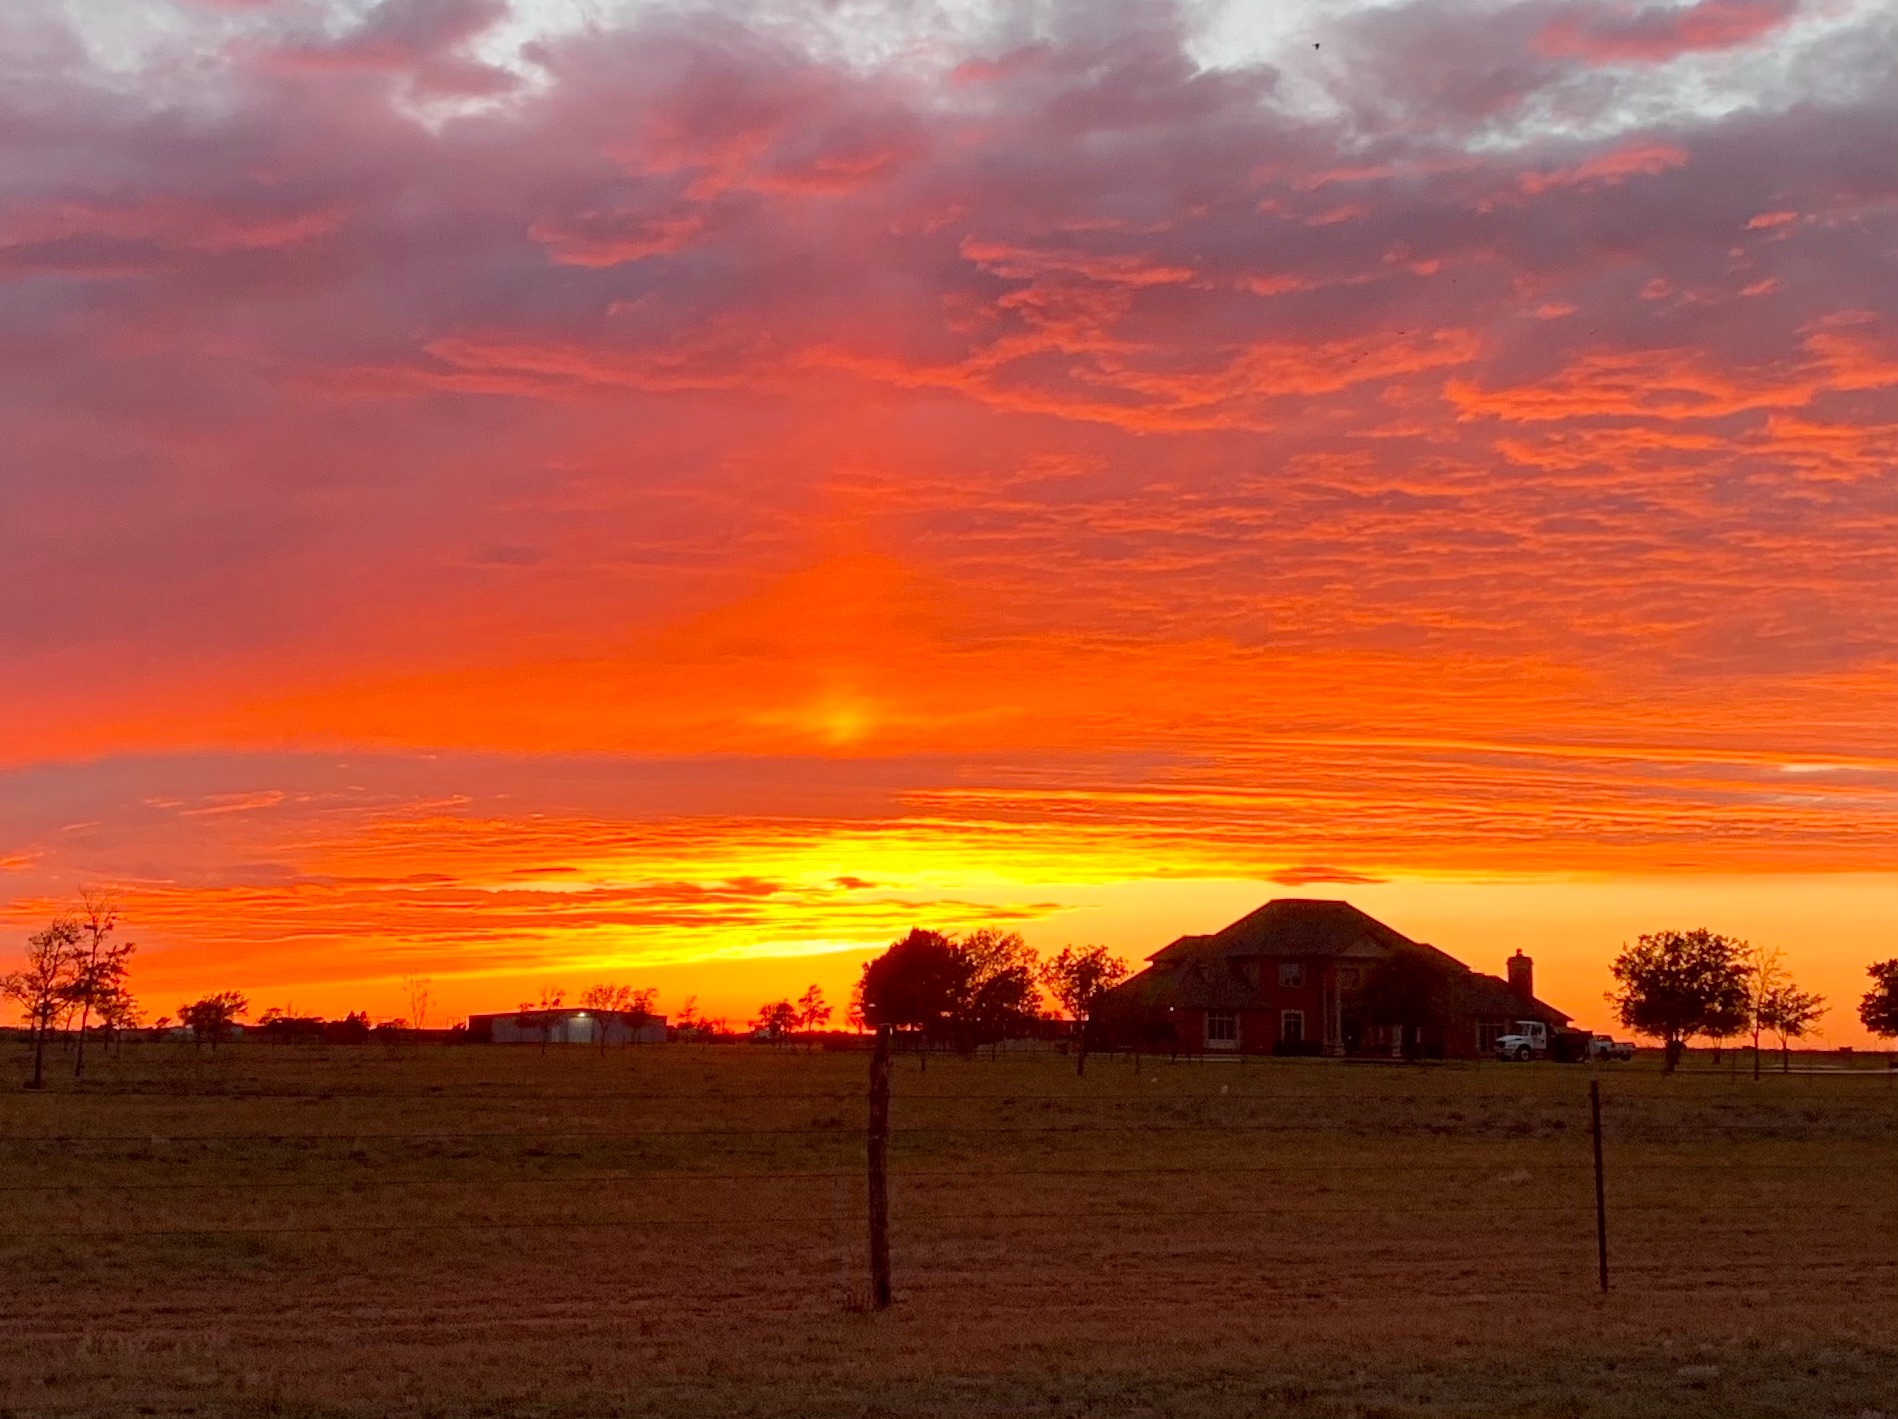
1522, 976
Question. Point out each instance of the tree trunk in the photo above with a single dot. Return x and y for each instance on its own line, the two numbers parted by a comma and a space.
39, 1057
1756, 1052
1785, 1057
1671, 1055
79, 1056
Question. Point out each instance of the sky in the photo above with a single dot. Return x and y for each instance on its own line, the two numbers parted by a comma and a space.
529, 494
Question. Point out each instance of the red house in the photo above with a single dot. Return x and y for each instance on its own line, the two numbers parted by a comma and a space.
1316, 977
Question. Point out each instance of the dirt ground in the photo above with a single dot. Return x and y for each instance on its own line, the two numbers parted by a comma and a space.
435, 1230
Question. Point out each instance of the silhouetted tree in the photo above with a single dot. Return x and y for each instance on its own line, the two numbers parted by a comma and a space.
43, 990
352, 1029
540, 1017
975, 990
283, 1024
1674, 985
993, 953
1790, 1013
1003, 997
420, 991
98, 985
1076, 980
776, 1020
1775, 1004
1878, 1008
812, 1011
118, 1012
918, 983
607, 1000
210, 1017
1403, 992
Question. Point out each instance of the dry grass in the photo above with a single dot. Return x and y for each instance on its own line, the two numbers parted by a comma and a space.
675, 1230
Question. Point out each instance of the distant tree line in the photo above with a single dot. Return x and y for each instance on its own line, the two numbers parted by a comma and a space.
980, 988
963, 992
1675, 985
781, 1020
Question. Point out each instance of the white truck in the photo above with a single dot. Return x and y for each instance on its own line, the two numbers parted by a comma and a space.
1532, 1039
1528, 1040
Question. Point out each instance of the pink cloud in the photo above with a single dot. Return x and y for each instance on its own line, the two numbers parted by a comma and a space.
1643, 160
1624, 35
425, 40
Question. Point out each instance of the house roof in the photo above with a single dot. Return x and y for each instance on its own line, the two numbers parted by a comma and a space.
1473, 993
1206, 972
1295, 927
568, 1012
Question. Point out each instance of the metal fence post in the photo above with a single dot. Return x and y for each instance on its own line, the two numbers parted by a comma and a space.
879, 1151
1601, 1195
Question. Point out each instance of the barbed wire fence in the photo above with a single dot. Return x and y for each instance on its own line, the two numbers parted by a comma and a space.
889, 1187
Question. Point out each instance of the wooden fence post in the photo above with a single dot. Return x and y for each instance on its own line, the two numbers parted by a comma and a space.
879, 1150
1601, 1195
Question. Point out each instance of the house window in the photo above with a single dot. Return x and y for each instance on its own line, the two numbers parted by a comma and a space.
1292, 1027
1487, 1035
1291, 973
1222, 1029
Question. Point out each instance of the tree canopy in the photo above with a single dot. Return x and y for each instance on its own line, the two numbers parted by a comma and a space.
210, 1017
918, 983
1076, 978
1673, 985
1878, 1009
976, 989
43, 990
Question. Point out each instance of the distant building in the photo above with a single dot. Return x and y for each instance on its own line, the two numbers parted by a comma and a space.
1316, 977
566, 1027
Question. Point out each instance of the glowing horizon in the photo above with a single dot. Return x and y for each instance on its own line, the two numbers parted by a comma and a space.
525, 492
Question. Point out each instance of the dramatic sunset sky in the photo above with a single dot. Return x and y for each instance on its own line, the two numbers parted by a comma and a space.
527, 493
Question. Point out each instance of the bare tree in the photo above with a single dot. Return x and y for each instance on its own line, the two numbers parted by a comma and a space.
534, 1016
419, 990
1789, 1013
99, 980
812, 1010
43, 989
607, 1000
118, 1012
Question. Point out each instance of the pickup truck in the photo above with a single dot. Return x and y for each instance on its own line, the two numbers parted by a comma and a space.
1605, 1047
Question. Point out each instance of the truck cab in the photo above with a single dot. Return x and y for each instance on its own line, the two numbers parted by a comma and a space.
1527, 1039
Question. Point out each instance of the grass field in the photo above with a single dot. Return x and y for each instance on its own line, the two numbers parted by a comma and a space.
679, 1230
